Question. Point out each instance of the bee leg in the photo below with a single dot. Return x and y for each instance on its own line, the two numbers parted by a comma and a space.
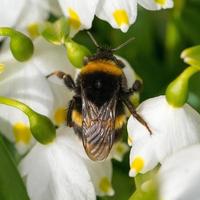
136, 87
132, 110
69, 82
69, 112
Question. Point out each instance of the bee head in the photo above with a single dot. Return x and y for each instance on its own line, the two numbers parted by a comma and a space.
105, 52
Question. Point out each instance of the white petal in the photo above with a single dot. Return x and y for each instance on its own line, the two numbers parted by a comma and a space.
55, 172
34, 11
118, 151
10, 12
26, 84
179, 175
156, 4
49, 58
80, 13
120, 14
172, 128
101, 175
142, 157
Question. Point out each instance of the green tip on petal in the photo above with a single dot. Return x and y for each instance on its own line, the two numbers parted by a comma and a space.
191, 55
41, 126
56, 32
76, 53
177, 90
21, 46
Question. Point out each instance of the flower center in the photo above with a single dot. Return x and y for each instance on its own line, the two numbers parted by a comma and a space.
137, 164
121, 17
161, 2
74, 19
60, 116
22, 132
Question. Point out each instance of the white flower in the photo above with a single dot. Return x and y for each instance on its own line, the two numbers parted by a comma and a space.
179, 175
26, 82
172, 129
120, 14
62, 171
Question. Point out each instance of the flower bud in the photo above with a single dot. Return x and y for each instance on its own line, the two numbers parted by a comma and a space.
21, 46
177, 90
41, 126
76, 53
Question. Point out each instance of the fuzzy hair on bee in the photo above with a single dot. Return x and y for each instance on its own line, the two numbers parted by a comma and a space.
97, 109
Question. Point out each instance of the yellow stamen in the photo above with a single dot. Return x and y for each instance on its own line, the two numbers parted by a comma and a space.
21, 132
105, 185
74, 19
121, 17
161, 2
2, 67
137, 164
33, 30
60, 116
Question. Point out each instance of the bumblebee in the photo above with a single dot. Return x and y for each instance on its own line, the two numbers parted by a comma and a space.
97, 110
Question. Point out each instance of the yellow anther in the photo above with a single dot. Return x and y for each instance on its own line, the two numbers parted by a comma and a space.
33, 30
121, 17
105, 186
21, 132
161, 2
2, 67
60, 116
137, 164
74, 19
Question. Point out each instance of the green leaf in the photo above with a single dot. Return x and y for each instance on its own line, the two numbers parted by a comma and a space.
56, 32
192, 55
11, 185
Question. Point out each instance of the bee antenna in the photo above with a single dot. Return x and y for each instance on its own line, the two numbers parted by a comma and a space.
93, 39
123, 44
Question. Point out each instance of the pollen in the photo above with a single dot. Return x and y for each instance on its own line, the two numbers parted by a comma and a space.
105, 186
74, 19
119, 121
121, 17
137, 164
22, 133
2, 67
161, 2
77, 118
60, 116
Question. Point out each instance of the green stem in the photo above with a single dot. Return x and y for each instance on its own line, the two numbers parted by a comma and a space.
177, 91
14, 103
5, 31
41, 126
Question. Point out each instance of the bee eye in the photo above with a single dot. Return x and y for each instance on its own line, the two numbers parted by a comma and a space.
98, 84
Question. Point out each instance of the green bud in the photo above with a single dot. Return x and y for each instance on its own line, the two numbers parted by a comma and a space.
76, 53
56, 32
21, 46
192, 55
177, 90
41, 126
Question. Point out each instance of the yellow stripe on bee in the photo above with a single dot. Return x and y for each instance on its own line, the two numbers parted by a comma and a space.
120, 121
102, 66
121, 17
74, 19
77, 118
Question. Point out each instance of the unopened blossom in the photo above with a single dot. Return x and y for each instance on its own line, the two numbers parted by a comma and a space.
179, 175
120, 14
27, 83
172, 129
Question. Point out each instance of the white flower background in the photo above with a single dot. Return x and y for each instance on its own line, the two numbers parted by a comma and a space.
61, 170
